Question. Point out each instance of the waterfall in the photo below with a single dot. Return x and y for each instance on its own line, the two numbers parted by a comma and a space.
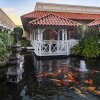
83, 66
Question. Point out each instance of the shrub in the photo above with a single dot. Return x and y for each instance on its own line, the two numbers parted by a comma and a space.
24, 42
5, 43
88, 45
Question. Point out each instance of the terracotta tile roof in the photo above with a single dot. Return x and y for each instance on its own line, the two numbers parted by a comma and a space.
37, 14
54, 20
94, 23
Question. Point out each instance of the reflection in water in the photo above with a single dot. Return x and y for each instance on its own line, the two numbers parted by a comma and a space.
62, 73
54, 80
51, 67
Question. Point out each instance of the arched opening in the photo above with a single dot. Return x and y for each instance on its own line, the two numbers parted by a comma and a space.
50, 34
72, 34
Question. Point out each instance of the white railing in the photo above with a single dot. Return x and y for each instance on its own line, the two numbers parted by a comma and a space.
71, 43
53, 47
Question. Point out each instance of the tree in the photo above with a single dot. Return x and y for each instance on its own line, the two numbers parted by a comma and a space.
19, 32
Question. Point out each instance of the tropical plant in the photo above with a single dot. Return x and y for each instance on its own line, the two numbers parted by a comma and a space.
88, 44
82, 30
5, 43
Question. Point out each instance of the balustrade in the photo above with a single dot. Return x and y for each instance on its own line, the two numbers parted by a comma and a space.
53, 47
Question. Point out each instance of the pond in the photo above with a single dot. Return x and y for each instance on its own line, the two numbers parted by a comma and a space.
54, 79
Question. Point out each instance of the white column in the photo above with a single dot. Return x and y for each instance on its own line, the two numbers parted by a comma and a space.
67, 42
58, 35
66, 35
41, 36
63, 34
39, 41
38, 38
30, 34
34, 36
58, 41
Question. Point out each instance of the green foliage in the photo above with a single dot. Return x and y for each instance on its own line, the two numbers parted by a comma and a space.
88, 45
76, 49
5, 43
82, 30
19, 31
24, 42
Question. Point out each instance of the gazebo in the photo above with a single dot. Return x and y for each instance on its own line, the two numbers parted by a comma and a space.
49, 35
51, 28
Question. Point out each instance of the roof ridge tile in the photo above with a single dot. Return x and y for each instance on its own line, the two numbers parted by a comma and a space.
52, 19
40, 18
94, 23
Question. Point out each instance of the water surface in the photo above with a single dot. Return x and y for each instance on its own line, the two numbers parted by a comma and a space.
35, 87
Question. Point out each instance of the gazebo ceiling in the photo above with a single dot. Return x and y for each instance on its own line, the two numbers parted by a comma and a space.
53, 20
94, 23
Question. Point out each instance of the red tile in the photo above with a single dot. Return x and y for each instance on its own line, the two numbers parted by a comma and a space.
37, 14
94, 23
52, 19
